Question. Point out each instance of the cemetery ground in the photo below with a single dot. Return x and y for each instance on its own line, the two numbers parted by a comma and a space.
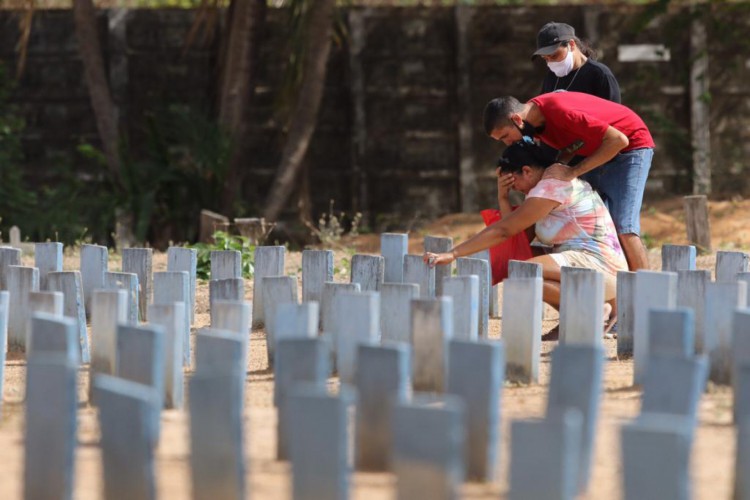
713, 452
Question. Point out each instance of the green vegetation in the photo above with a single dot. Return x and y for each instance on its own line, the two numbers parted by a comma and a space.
225, 241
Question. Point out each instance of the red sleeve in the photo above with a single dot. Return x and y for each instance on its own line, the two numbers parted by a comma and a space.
590, 129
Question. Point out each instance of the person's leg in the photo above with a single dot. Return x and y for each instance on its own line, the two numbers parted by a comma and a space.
634, 250
551, 276
622, 183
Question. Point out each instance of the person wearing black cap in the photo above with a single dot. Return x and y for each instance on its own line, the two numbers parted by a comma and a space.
571, 64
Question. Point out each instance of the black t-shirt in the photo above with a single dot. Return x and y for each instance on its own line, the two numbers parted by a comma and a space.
592, 78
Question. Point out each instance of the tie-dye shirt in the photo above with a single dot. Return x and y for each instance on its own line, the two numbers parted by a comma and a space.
581, 222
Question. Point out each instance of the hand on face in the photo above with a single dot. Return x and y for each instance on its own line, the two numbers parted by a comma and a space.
560, 172
434, 259
504, 183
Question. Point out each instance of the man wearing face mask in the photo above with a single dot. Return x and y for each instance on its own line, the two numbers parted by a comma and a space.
571, 64
616, 145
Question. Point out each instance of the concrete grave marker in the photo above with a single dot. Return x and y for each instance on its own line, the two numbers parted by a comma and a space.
277, 290
234, 317
522, 328
129, 283
140, 358
218, 351
140, 262
50, 427
691, 294
742, 461
319, 442
395, 311
296, 320
42, 302
671, 332
8, 257
393, 248
368, 271
576, 382
678, 258
673, 385
185, 259
108, 310
171, 317
741, 393
71, 286
476, 371
464, 290
625, 313
170, 287
217, 459
741, 357
551, 445
358, 322
21, 282
226, 264
419, 273
231, 290
481, 269
382, 379
128, 438
729, 264
431, 330
493, 310
722, 298
329, 313
656, 458
428, 447
653, 290
94, 263
54, 334
523, 269
298, 360
581, 306
436, 244
48, 258
317, 269
269, 261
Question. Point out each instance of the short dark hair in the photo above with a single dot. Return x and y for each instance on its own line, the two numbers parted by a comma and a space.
497, 112
522, 153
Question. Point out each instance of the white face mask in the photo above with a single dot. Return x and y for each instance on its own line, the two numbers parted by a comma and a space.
562, 68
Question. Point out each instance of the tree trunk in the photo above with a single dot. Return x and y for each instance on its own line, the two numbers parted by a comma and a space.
246, 21
305, 115
95, 73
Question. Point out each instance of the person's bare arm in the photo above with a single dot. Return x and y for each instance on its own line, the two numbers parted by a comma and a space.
532, 210
613, 142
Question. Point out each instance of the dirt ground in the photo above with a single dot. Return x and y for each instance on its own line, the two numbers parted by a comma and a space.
713, 452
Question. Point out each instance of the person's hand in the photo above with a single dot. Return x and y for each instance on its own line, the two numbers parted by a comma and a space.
504, 183
434, 259
560, 172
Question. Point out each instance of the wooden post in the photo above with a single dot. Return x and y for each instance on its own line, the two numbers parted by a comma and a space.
210, 223
699, 106
696, 220
466, 122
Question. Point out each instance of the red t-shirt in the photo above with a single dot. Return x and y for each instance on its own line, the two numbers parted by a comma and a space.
575, 117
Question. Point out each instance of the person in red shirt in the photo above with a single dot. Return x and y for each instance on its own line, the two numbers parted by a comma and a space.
616, 145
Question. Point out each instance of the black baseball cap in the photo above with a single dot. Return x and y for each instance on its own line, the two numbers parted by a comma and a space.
551, 36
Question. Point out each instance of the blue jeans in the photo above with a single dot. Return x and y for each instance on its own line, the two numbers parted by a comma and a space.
621, 182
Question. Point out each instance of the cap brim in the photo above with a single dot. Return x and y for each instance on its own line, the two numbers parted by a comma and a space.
545, 51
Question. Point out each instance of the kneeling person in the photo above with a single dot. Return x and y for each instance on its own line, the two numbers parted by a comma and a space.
568, 215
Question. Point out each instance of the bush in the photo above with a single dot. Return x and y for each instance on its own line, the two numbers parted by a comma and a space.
225, 241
